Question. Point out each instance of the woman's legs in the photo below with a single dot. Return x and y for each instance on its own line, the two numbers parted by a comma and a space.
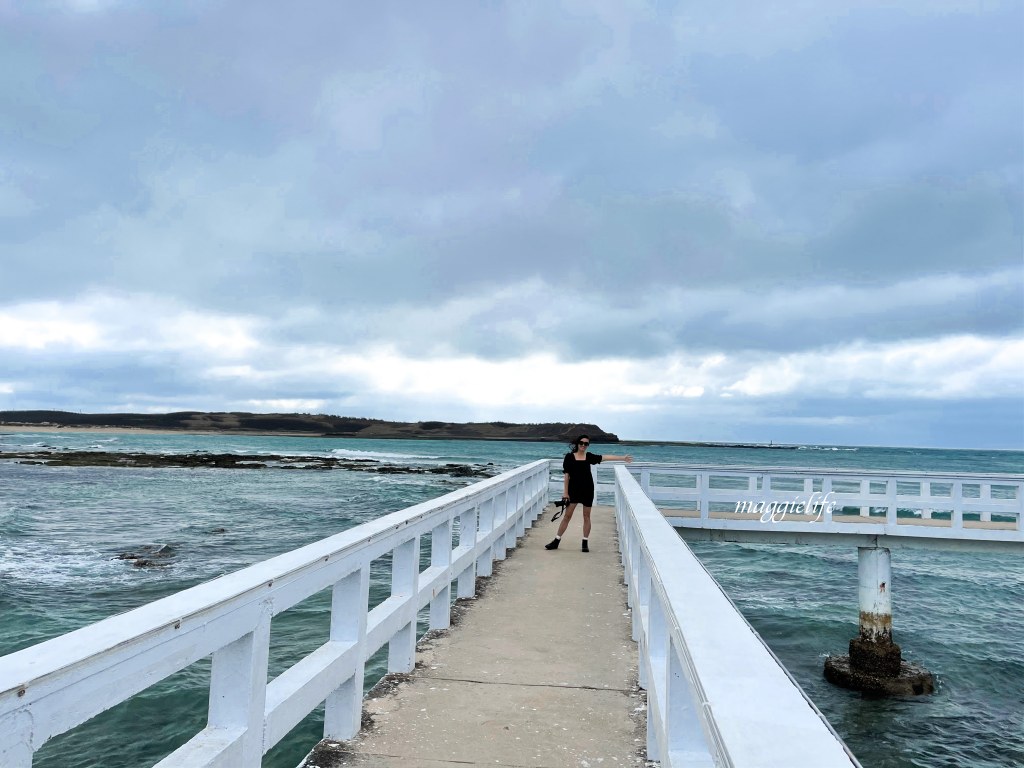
568, 516
565, 524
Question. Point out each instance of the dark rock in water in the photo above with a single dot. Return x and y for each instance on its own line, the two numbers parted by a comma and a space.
219, 530
459, 470
149, 556
204, 459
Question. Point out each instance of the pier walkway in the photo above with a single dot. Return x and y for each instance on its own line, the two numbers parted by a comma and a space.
539, 670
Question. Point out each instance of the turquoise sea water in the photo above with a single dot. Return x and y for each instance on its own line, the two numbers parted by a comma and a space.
961, 615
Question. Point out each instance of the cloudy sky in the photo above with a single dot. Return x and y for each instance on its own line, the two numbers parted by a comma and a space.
797, 221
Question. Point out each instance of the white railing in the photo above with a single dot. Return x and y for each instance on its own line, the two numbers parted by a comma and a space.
716, 695
55, 686
923, 507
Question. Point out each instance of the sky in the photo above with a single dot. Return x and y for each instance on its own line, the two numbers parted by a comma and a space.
797, 221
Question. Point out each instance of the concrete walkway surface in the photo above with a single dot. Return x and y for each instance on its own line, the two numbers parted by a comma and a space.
538, 671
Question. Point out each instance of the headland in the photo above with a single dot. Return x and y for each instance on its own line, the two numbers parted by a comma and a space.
299, 424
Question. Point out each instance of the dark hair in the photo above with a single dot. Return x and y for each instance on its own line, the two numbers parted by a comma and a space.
576, 442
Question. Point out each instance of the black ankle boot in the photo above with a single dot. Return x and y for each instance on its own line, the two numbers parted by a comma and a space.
585, 547
552, 545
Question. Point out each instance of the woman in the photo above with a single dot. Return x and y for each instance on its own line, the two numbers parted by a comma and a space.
578, 486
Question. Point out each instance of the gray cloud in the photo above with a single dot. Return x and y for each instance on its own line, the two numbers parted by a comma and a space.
632, 181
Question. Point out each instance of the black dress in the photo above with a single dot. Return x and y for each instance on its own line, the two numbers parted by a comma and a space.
581, 480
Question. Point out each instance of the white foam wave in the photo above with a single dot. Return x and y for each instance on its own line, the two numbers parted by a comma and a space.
824, 448
49, 567
351, 453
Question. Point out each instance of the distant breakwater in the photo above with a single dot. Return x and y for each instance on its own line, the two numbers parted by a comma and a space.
690, 444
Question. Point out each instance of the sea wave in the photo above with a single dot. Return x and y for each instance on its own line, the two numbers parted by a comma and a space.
43, 566
351, 453
825, 448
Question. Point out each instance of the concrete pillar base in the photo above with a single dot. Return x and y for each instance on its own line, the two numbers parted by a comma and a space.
878, 658
909, 679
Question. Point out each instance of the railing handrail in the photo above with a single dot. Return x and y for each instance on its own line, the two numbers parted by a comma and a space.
878, 497
1009, 478
716, 693
54, 686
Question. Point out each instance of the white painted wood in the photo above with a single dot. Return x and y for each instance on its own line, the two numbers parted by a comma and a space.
951, 534
213, 747
485, 559
54, 686
404, 573
16, 739
441, 558
238, 687
703, 658
344, 705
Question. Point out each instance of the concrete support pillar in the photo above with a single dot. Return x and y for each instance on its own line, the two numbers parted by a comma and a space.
875, 663
874, 593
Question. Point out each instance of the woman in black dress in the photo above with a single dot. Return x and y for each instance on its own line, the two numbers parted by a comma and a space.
578, 486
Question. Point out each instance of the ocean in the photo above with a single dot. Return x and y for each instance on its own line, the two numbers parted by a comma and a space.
61, 528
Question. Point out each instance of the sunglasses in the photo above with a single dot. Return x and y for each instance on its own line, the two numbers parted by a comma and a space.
584, 443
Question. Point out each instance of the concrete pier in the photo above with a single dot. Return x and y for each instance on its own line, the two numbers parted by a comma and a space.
539, 670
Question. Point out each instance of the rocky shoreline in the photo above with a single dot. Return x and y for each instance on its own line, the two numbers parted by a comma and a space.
235, 461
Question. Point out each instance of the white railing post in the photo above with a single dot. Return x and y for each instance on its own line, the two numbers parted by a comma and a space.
484, 563
500, 515
657, 648
515, 529
1020, 507
703, 486
528, 502
684, 733
16, 740
986, 496
344, 707
826, 501
642, 602
405, 567
238, 688
957, 518
892, 501
634, 576
467, 538
441, 557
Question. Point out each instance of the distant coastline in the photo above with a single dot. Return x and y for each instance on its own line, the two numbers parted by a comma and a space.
327, 426
296, 425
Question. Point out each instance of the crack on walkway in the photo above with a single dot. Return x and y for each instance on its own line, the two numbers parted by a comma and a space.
441, 762
527, 685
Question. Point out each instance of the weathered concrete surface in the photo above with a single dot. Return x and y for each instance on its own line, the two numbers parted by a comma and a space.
539, 670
